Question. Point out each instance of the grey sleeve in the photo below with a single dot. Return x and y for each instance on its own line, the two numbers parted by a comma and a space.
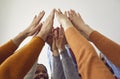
58, 72
70, 71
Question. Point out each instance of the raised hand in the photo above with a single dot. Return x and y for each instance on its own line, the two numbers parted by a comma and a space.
32, 29
61, 41
76, 19
63, 20
49, 39
79, 24
47, 26
35, 25
54, 47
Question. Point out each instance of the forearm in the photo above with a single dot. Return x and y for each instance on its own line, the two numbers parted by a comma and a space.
6, 50
69, 69
58, 72
19, 38
16, 64
106, 46
88, 61
86, 29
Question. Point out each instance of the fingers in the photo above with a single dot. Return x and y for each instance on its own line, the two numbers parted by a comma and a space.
37, 19
49, 19
52, 14
54, 47
61, 17
56, 33
38, 28
54, 44
35, 30
61, 32
33, 21
71, 13
40, 16
65, 13
80, 17
59, 11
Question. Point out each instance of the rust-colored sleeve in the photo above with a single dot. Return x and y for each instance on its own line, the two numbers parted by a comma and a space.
107, 47
18, 64
6, 50
89, 64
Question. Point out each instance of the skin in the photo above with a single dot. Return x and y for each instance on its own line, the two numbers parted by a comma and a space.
41, 72
79, 24
43, 33
60, 40
104, 44
47, 26
63, 20
32, 29
46, 29
83, 50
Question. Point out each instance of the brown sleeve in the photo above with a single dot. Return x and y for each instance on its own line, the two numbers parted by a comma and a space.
89, 64
6, 50
17, 65
107, 47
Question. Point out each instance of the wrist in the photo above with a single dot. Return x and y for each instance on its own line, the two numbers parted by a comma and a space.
86, 29
66, 24
19, 38
23, 34
55, 52
61, 49
42, 36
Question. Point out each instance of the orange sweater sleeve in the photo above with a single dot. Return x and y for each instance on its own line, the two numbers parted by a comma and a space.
107, 47
89, 64
18, 64
6, 50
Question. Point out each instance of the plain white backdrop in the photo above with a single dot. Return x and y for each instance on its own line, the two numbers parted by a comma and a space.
16, 15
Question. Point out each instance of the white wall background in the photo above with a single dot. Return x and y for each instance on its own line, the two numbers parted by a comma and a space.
102, 15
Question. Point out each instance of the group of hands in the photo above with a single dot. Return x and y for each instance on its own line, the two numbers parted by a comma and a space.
55, 36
